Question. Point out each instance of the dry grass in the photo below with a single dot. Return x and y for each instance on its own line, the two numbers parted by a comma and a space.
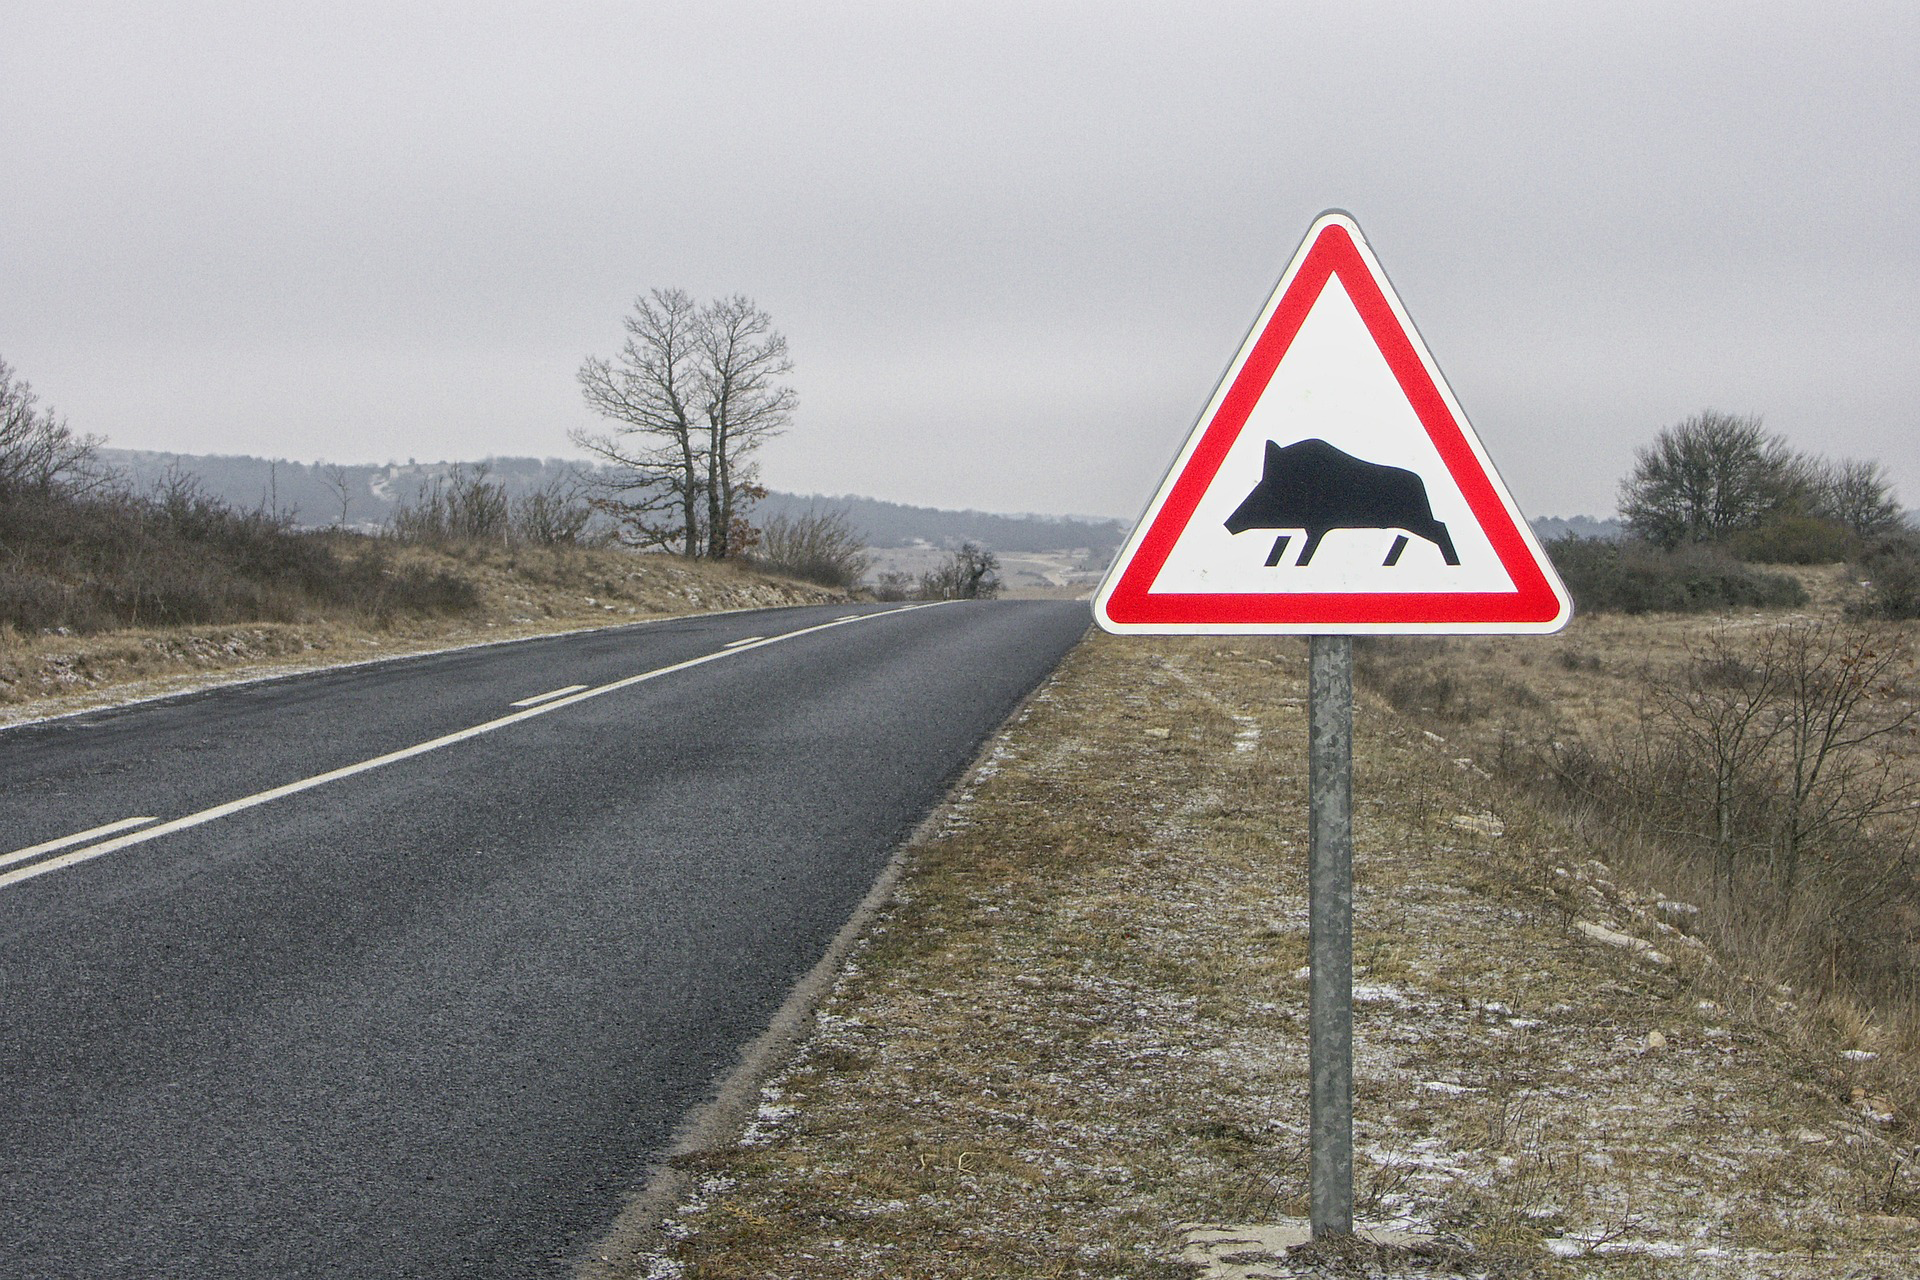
522, 591
1506, 703
1075, 1042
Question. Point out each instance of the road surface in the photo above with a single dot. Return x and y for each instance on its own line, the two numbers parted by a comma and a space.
409, 969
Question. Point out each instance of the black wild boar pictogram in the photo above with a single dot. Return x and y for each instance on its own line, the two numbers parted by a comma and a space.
1313, 486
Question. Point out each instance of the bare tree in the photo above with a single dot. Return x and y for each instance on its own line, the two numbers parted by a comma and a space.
339, 480
37, 448
1709, 476
694, 391
651, 392
1858, 494
743, 359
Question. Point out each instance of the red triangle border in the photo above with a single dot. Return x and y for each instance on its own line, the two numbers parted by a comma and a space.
1535, 602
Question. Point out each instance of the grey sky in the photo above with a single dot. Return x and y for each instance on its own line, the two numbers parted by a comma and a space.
1011, 245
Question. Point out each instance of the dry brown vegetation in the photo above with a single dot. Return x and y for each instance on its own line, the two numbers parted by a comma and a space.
512, 592
1760, 766
1074, 1043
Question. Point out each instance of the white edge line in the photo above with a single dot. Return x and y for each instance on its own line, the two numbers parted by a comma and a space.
67, 842
407, 753
542, 697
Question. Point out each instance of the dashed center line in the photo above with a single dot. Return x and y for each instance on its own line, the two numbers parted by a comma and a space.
539, 698
544, 704
735, 644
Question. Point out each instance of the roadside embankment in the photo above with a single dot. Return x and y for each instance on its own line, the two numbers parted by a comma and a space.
1073, 1043
518, 592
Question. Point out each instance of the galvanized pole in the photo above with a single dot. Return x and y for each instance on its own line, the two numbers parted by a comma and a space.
1330, 922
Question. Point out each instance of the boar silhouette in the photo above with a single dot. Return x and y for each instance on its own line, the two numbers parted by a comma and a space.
1313, 486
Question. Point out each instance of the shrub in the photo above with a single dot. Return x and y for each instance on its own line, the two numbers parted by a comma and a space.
557, 514
1635, 577
113, 558
1891, 567
462, 506
1796, 539
894, 585
818, 546
971, 573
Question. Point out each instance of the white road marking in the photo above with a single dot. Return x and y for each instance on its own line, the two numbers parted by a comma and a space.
67, 842
258, 798
846, 617
735, 644
538, 698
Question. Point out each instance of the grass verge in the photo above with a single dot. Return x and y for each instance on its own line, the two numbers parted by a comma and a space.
1074, 1043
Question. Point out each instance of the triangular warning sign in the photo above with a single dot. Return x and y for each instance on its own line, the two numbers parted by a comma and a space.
1333, 485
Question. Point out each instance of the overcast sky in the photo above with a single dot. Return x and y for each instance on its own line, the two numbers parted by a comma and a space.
1012, 246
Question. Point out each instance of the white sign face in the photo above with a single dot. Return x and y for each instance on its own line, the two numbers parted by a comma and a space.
1333, 485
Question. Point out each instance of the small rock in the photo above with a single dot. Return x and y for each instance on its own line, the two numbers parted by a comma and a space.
1875, 1108
1614, 938
1159, 733
1485, 824
1655, 1040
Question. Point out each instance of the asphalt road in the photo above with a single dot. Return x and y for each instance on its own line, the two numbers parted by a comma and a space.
434, 1015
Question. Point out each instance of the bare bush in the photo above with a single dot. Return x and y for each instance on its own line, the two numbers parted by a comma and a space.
817, 546
111, 557
971, 573
556, 514
1783, 762
894, 585
464, 505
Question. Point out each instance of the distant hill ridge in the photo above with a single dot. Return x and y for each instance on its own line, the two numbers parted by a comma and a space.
305, 492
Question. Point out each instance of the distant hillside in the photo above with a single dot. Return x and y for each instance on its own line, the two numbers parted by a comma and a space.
893, 524
1551, 527
306, 493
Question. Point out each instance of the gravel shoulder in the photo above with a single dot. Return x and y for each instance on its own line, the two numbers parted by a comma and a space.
1073, 1042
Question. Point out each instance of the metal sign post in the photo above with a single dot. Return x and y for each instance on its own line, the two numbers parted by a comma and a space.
1330, 937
